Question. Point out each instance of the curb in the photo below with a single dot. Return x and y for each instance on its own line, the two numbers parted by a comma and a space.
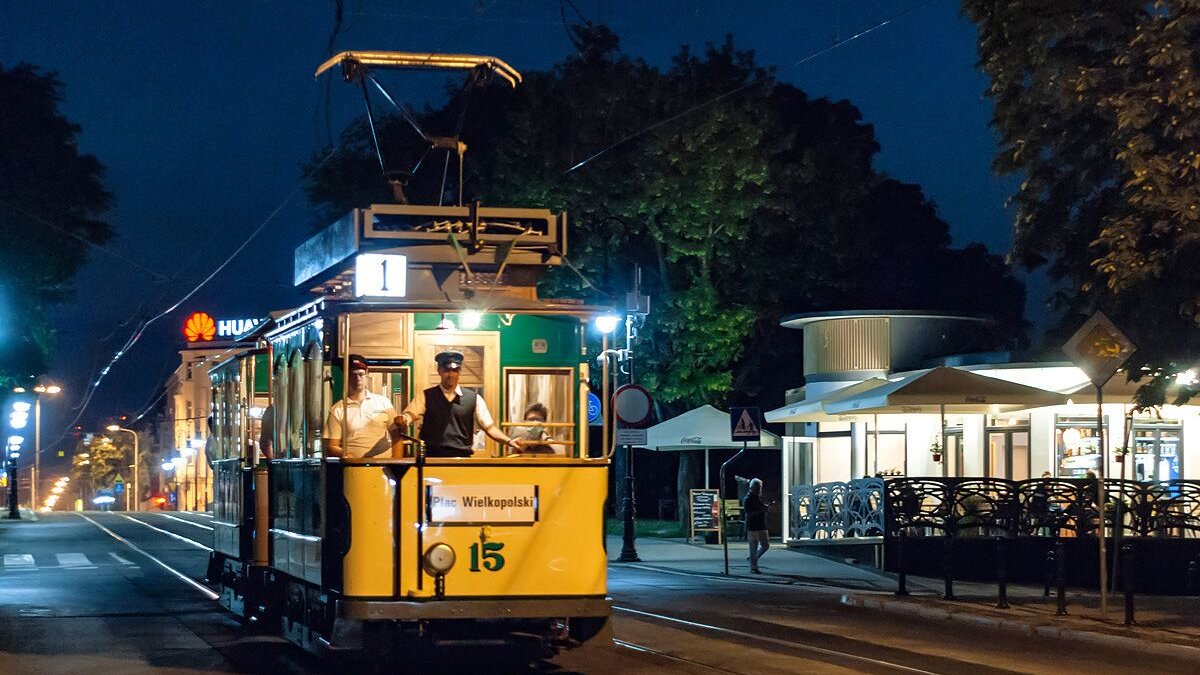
1168, 649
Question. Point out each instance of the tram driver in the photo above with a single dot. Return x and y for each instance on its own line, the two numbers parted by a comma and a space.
449, 413
366, 414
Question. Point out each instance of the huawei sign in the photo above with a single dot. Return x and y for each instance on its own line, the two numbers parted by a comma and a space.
199, 327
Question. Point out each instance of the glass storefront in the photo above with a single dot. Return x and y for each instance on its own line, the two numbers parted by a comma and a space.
1076, 445
1007, 448
1157, 450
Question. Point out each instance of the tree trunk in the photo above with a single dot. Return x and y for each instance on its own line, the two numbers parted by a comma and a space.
689, 477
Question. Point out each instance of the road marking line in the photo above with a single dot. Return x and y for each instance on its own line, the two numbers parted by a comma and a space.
18, 560
184, 520
193, 542
777, 641
120, 559
73, 560
195, 584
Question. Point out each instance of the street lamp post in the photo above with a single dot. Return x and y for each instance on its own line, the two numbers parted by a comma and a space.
38, 390
137, 493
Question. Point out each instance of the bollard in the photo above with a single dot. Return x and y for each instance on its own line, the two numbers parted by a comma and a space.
1127, 581
1001, 575
1060, 577
947, 568
1049, 573
902, 581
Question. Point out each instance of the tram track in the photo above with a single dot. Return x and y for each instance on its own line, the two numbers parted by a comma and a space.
743, 638
628, 643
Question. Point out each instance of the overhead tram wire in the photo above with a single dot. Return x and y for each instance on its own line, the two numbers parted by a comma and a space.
720, 97
137, 333
143, 325
99, 247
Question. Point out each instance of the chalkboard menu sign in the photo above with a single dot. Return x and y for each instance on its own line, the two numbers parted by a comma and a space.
706, 515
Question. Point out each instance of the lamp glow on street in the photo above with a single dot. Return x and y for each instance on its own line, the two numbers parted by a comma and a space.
113, 427
606, 323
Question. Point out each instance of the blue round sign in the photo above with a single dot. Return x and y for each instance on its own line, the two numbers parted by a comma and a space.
593, 407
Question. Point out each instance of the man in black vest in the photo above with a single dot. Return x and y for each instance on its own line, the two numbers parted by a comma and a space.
451, 413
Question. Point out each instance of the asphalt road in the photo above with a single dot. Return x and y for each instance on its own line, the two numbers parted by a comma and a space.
111, 593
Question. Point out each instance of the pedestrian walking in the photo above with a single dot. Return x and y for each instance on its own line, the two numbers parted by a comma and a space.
756, 523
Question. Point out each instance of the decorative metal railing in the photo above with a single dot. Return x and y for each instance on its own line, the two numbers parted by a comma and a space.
1041, 507
837, 510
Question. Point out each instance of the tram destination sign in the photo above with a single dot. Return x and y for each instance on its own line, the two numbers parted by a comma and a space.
481, 504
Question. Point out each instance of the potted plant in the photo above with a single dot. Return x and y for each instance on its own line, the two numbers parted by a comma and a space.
1119, 454
935, 449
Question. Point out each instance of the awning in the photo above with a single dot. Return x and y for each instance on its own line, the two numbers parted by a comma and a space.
946, 390
815, 410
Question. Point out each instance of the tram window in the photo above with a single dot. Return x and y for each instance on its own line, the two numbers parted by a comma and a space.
226, 421
281, 407
295, 426
545, 396
314, 401
392, 384
218, 414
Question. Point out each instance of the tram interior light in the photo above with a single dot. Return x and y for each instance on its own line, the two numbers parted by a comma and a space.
104, 499
256, 412
186, 451
471, 319
16, 440
168, 465
21, 406
178, 463
606, 323
445, 324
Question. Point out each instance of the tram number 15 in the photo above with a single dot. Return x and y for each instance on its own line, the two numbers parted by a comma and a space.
492, 560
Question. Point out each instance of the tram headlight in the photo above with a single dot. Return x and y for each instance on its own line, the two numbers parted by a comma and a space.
439, 558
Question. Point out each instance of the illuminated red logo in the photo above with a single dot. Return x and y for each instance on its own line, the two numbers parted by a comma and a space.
199, 327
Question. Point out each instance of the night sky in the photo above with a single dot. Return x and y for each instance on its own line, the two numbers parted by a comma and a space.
204, 111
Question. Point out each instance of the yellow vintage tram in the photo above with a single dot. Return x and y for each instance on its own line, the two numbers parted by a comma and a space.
499, 545
402, 548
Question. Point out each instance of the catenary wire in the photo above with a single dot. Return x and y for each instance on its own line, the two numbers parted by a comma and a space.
720, 97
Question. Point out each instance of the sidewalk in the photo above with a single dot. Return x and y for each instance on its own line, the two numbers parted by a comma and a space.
779, 565
1167, 625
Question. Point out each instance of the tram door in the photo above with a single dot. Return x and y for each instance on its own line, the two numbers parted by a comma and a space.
480, 370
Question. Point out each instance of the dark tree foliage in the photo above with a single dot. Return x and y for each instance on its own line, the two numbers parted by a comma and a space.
1097, 106
762, 204
51, 198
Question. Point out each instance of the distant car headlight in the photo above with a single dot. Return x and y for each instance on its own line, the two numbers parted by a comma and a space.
439, 558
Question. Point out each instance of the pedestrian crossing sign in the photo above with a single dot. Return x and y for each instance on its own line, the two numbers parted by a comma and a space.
745, 423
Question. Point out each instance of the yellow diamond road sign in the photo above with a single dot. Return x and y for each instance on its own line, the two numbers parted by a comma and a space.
1099, 348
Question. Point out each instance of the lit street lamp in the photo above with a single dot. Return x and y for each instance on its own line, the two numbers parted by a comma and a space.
137, 495
38, 390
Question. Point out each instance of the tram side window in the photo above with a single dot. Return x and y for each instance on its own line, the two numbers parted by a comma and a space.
279, 427
295, 426
314, 400
218, 430
540, 410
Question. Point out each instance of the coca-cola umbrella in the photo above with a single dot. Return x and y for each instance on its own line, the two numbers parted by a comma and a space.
705, 428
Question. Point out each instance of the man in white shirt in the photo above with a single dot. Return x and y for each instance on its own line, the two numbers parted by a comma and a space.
367, 416
450, 413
